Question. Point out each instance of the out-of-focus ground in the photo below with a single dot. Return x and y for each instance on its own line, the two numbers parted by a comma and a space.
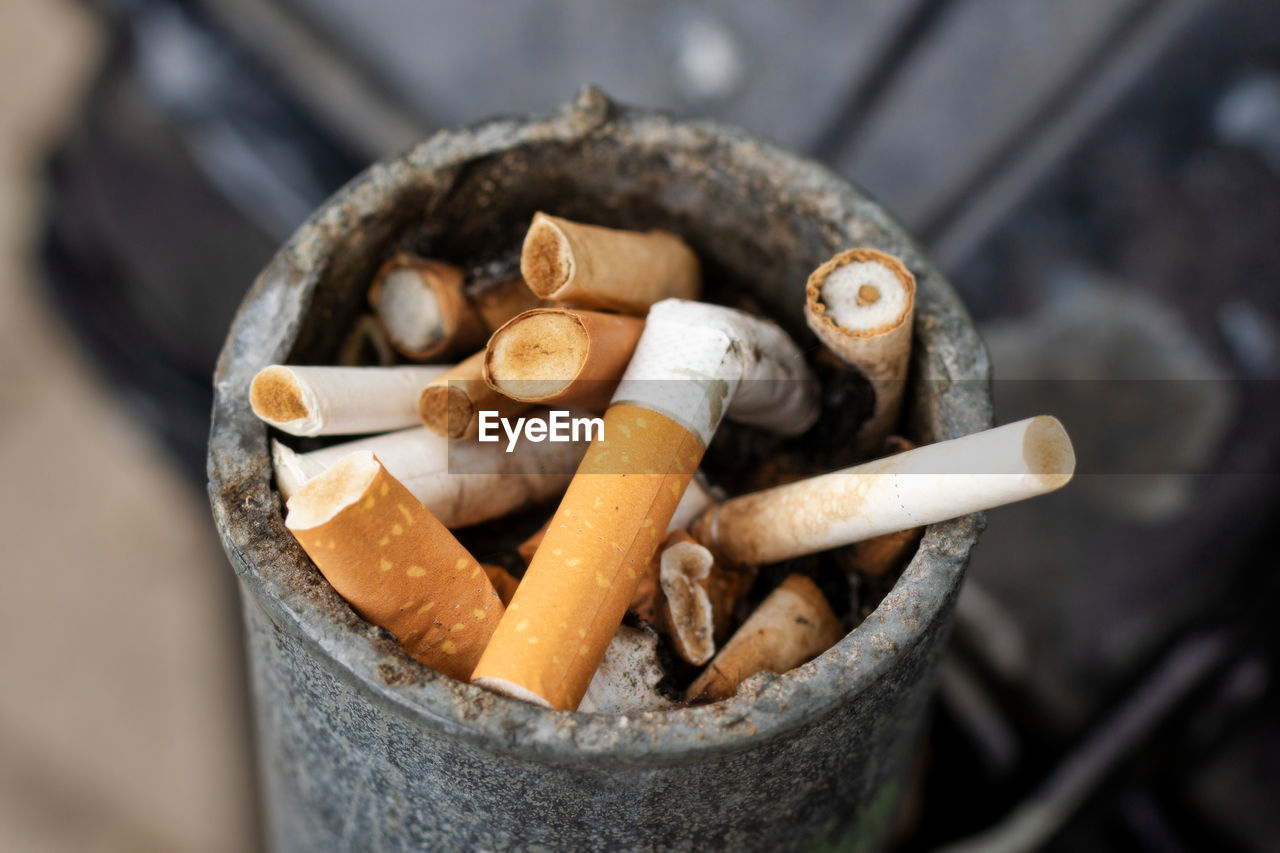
120, 718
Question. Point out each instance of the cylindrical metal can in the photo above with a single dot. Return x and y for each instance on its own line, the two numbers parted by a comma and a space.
362, 748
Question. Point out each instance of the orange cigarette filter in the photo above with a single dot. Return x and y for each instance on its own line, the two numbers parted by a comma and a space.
451, 403
585, 572
562, 356
396, 564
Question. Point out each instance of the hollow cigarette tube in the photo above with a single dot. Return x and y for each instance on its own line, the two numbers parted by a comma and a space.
696, 499
422, 308
911, 489
595, 267
463, 483
396, 564
504, 583
450, 404
861, 304
561, 356
339, 400
690, 360
792, 625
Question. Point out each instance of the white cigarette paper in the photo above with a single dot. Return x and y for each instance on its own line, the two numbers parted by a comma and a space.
697, 362
436, 473
910, 489
339, 400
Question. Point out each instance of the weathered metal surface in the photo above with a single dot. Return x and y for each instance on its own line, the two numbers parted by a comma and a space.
362, 747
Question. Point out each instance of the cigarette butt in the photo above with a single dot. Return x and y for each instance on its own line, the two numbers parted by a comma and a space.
466, 483
689, 597
451, 404
422, 308
619, 504
584, 573
563, 356
499, 300
366, 344
503, 582
881, 555
911, 489
590, 266
339, 400
626, 680
684, 571
860, 304
792, 625
696, 499
396, 564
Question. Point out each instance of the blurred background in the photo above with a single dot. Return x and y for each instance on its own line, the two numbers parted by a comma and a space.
1099, 178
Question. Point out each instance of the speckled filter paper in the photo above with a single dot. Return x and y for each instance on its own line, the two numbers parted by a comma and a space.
400, 568
578, 586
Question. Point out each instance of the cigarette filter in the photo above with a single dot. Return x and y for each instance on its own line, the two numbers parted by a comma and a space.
910, 489
421, 306
792, 625
696, 499
682, 378
595, 267
440, 474
396, 564
561, 356
339, 400
860, 304
451, 404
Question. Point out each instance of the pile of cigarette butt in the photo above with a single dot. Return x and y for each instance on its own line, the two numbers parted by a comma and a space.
649, 587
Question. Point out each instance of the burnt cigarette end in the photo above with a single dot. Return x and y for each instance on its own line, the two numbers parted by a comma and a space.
276, 396
546, 261
537, 357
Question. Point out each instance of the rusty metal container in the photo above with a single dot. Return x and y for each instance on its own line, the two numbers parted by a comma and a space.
360, 747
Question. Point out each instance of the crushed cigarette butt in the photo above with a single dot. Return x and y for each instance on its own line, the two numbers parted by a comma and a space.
792, 625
